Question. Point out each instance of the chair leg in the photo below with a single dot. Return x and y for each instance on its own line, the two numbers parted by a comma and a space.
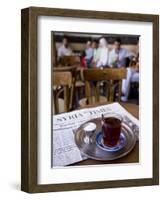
111, 91
119, 90
56, 110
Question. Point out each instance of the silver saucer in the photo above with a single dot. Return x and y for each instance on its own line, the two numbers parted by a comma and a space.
89, 146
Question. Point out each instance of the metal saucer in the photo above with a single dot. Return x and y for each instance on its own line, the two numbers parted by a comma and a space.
90, 148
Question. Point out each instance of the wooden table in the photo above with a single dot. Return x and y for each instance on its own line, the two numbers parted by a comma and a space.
132, 157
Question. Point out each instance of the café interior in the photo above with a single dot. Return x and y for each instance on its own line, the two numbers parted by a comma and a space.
91, 70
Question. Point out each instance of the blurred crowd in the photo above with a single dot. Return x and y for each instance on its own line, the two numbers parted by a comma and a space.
97, 55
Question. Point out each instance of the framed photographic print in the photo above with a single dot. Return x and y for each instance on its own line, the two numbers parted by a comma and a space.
90, 99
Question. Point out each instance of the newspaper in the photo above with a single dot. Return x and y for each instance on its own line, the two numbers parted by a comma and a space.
64, 149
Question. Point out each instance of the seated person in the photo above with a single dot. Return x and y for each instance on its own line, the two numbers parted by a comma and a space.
103, 54
118, 56
89, 54
83, 60
135, 67
96, 53
132, 76
64, 49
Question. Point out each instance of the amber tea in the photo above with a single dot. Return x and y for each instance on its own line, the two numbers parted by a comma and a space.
111, 129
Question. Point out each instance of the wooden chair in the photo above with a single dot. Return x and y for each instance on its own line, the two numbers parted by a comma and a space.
73, 71
69, 60
98, 79
62, 83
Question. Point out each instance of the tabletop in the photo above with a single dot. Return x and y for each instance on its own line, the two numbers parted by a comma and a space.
132, 157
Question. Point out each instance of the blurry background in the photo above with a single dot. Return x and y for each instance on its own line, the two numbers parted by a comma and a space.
78, 41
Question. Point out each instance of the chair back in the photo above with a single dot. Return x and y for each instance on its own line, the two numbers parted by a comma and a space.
73, 71
62, 83
103, 81
69, 60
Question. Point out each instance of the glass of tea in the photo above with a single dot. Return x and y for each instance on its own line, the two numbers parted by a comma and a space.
111, 128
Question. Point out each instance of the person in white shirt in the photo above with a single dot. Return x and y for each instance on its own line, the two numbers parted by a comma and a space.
118, 58
64, 49
103, 53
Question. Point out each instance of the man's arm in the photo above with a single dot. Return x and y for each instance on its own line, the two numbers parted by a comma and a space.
112, 58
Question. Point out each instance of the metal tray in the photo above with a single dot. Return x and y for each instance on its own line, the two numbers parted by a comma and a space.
90, 148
